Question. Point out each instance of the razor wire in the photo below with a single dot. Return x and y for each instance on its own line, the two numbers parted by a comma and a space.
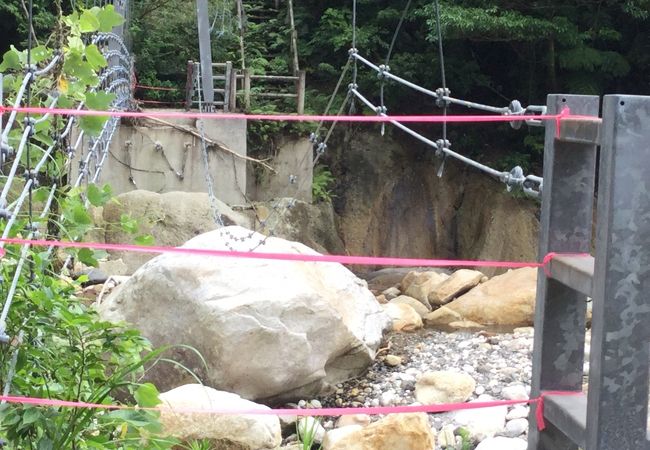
116, 78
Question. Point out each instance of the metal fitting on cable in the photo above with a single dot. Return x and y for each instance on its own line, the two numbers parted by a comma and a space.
313, 137
82, 165
69, 151
293, 179
321, 148
5, 213
32, 227
441, 145
32, 175
157, 146
515, 109
533, 186
441, 100
381, 110
383, 70
352, 52
513, 178
352, 86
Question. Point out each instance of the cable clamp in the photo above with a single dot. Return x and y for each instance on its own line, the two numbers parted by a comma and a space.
441, 145
32, 227
515, 109
353, 86
5, 213
320, 149
31, 175
380, 110
313, 137
353, 52
441, 100
514, 178
383, 70
293, 179
533, 186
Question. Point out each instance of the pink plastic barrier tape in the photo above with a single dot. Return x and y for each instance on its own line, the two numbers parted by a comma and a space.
295, 117
342, 259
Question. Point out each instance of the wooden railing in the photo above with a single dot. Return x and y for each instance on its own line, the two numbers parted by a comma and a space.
229, 83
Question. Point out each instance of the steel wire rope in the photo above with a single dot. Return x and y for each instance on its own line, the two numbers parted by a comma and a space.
206, 163
445, 92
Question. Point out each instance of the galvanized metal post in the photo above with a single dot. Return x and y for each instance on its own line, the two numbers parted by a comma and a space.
617, 404
205, 50
227, 86
566, 223
300, 91
247, 89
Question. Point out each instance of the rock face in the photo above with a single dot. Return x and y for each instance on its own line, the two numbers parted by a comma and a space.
228, 431
173, 218
272, 330
444, 387
507, 299
394, 432
458, 283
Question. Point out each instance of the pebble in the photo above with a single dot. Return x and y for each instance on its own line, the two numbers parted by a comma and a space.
516, 427
500, 364
393, 360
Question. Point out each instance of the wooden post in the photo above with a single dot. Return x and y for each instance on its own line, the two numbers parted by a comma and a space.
227, 87
294, 39
205, 50
247, 89
300, 91
189, 85
233, 89
242, 30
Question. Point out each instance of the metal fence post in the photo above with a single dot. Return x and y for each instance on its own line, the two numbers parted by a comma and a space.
617, 404
566, 223
227, 86
300, 91
247, 89
203, 18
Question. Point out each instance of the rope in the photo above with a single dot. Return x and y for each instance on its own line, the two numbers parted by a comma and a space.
441, 57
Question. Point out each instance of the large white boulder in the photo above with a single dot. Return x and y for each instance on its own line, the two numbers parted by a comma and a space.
181, 417
267, 329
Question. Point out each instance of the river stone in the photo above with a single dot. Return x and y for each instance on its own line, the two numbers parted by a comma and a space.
444, 387
393, 432
404, 317
507, 299
268, 330
413, 303
420, 284
458, 283
482, 423
224, 431
441, 316
502, 443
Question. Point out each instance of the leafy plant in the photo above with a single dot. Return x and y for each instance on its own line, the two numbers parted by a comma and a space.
307, 430
321, 184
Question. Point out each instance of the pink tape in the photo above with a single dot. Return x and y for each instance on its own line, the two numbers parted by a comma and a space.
342, 259
446, 407
285, 117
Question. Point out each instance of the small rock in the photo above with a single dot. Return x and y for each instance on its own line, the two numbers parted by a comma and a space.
479, 390
444, 387
315, 404
502, 443
393, 432
421, 309
458, 283
516, 427
332, 437
465, 325
422, 284
518, 412
353, 419
446, 437
441, 316
516, 392
482, 423
381, 299
391, 293
387, 398
404, 317
392, 360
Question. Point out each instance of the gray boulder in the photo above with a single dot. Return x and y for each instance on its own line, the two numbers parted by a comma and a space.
268, 330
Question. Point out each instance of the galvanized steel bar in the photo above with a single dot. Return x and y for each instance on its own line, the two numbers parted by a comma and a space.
566, 224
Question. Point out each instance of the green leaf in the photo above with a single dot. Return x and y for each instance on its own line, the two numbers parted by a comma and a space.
31, 415
145, 239
147, 395
99, 100
10, 60
97, 196
40, 53
108, 19
128, 224
95, 57
88, 22
92, 125
75, 66
80, 215
87, 257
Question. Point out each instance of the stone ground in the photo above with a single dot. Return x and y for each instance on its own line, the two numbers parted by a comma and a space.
500, 363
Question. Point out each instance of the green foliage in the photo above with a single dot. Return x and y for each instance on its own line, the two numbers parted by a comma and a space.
321, 184
306, 429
